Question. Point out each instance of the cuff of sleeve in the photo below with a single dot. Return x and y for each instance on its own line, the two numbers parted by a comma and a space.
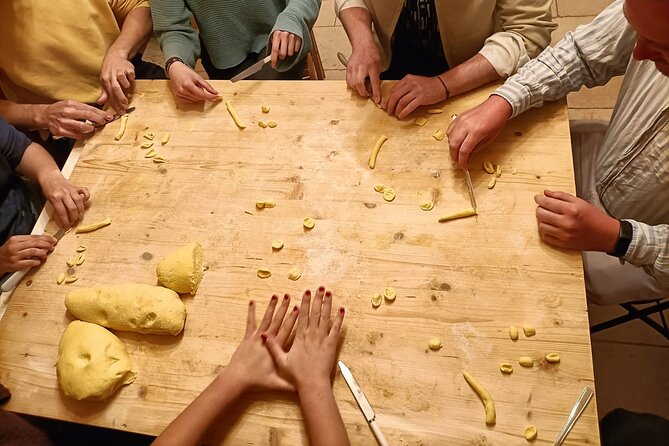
504, 53
637, 253
286, 22
175, 46
340, 5
515, 94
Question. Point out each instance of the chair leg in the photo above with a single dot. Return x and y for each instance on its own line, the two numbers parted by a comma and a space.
634, 313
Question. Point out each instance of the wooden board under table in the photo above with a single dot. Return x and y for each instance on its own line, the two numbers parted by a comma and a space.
464, 281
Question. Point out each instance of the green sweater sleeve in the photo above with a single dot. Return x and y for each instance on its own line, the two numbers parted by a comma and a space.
172, 25
298, 18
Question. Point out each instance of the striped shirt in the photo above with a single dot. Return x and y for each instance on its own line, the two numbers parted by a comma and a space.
632, 165
230, 29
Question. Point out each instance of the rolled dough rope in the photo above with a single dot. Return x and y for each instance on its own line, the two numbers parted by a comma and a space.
488, 405
93, 227
459, 214
233, 113
121, 131
375, 151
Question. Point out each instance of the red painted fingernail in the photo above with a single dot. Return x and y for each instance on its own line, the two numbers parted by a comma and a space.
328, 294
296, 308
342, 311
274, 298
321, 288
250, 303
263, 337
308, 292
286, 297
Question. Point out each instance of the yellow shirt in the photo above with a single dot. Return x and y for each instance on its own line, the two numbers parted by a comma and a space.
52, 50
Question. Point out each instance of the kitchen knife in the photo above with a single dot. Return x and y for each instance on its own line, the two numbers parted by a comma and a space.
16, 277
253, 69
470, 186
115, 117
344, 61
363, 403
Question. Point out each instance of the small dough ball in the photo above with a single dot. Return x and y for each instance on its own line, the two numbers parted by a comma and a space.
389, 294
530, 433
435, 344
277, 244
506, 368
264, 273
529, 331
270, 204
526, 361
379, 188
294, 274
427, 205
309, 223
182, 269
130, 307
553, 358
513, 332
389, 194
92, 362
376, 300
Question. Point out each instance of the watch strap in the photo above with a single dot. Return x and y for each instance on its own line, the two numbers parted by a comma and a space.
624, 239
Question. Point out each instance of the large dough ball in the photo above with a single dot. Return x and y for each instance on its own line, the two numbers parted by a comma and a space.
181, 270
129, 307
92, 362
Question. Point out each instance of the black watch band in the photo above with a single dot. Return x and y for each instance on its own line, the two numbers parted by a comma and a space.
624, 239
169, 62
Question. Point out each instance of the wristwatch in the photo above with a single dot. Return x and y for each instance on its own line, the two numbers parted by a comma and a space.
169, 62
624, 239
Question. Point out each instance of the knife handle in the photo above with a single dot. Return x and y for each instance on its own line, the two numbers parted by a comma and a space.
376, 430
14, 280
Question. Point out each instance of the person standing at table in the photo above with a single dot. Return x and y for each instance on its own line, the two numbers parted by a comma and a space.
230, 37
61, 61
439, 48
622, 171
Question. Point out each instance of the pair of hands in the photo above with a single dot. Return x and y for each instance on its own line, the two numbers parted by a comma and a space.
266, 360
189, 86
364, 68
73, 119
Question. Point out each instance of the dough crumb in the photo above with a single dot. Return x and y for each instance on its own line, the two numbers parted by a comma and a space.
262, 124
294, 274
514, 171
529, 331
553, 358
438, 135
506, 368
309, 223
530, 433
420, 121
272, 124
264, 109
71, 279
158, 159
270, 204
498, 171
165, 140
70, 261
513, 333
389, 294
435, 344
264, 273
149, 136
277, 244
526, 361
379, 188
488, 167
492, 182
146, 144
61, 278
150, 154
376, 300
80, 259
81, 248
427, 206
260, 204
435, 111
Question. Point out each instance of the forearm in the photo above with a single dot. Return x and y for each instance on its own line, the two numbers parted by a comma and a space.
135, 33
473, 73
191, 425
650, 250
321, 416
36, 163
358, 26
27, 116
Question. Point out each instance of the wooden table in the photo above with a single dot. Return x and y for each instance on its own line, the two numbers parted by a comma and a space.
464, 281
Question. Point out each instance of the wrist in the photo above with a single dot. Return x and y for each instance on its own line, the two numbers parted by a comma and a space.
501, 105
173, 62
447, 91
38, 114
620, 234
231, 382
117, 51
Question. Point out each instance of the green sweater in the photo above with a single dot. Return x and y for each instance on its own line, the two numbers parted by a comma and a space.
230, 29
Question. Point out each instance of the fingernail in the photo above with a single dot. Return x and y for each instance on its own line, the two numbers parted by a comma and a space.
341, 310
296, 308
250, 303
286, 297
109, 117
274, 298
308, 292
328, 294
321, 288
263, 337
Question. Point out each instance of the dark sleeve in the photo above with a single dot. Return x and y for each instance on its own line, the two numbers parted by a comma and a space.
12, 144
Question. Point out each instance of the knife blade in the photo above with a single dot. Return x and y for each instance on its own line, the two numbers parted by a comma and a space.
253, 69
344, 61
115, 117
363, 403
470, 186
16, 277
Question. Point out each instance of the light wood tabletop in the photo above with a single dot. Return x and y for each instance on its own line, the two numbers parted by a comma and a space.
464, 281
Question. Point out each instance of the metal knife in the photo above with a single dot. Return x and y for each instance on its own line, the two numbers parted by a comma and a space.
115, 117
16, 277
253, 69
470, 186
363, 403
344, 61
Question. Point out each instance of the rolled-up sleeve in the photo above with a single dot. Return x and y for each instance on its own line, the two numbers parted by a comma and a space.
122, 8
172, 25
649, 250
340, 5
526, 27
13, 144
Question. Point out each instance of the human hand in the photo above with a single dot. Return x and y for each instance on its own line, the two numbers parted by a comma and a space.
569, 222
71, 119
413, 91
252, 364
189, 86
116, 76
25, 251
311, 358
67, 200
364, 63
284, 44
477, 127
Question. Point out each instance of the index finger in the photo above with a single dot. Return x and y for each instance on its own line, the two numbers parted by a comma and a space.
375, 82
551, 204
303, 318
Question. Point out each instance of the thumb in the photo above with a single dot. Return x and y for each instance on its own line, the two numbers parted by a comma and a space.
278, 354
103, 98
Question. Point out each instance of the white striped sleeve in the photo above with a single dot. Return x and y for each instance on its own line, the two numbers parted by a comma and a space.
650, 250
590, 56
